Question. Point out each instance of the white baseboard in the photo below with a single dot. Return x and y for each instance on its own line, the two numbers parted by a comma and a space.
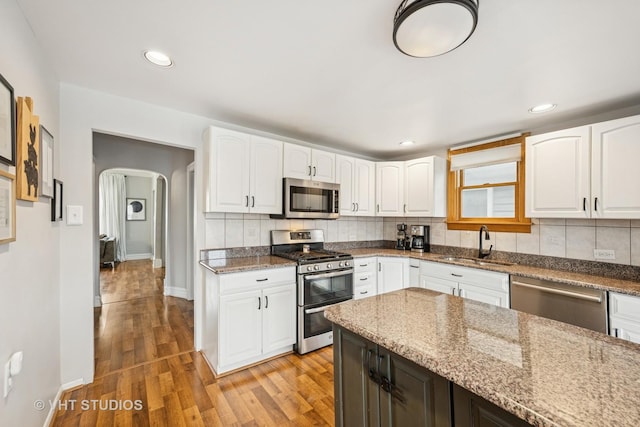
172, 291
97, 301
55, 403
157, 263
134, 257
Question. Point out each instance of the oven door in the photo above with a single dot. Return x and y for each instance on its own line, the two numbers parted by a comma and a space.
311, 320
315, 289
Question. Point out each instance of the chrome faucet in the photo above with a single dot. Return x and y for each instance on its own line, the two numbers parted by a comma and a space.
481, 252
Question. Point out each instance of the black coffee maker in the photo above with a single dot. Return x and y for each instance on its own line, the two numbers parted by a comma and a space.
420, 238
402, 238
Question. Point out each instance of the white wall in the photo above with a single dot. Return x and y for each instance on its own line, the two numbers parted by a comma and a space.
139, 234
29, 278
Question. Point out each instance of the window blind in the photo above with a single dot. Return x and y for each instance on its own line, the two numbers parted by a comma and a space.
491, 156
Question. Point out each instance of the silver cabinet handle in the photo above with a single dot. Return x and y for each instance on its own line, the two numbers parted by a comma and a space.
414, 266
309, 170
253, 201
353, 207
379, 266
595, 204
405, 208
461, 293
259, 303
266, 301
566, 293
357, 207
246, 201
378, 208
364, 278
262, 280
584, 204
456, 275
314, 171
364, 293
614, 332
319, 309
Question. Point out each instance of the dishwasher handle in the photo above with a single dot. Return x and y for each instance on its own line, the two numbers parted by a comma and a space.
556, 291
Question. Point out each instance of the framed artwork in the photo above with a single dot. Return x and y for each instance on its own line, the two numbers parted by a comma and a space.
46, 163
28, 151
7, 207
56, 201
7, 123
136, 209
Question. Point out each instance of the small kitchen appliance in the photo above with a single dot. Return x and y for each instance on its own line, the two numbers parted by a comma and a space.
324, 278
420, 238
402, 238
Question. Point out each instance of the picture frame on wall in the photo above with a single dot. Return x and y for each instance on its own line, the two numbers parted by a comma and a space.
27, 150
7, 123
56, 201
136, 209
46, 163
7, 207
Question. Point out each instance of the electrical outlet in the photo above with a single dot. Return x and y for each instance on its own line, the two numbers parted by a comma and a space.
604, 254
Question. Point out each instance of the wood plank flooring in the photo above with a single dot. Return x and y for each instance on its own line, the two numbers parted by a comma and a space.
147, 373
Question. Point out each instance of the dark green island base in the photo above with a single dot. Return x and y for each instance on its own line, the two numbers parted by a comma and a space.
375, 387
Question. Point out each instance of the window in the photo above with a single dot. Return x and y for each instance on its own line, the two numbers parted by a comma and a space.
486, 186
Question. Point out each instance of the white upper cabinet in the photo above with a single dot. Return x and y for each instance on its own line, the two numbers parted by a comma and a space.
308, 163
585, 172
357, 186
557, 174
425, 187
615, 175
244, 172
390, 189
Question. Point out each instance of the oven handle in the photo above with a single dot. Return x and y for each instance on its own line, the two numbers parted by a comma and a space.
327, 275
323, 308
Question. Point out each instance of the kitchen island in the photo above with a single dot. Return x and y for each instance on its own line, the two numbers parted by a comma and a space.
461, 353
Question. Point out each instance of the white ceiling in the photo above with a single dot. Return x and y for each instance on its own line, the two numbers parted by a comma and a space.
327, 72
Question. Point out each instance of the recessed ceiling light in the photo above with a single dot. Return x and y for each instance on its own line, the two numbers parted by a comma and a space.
158, 58
542, 108
407, 142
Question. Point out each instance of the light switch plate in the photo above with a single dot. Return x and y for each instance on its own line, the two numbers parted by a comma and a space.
74, 215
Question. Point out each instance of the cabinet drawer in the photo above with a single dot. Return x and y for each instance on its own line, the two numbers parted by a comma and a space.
365, 264
364, 291
364, 278
256, 279
624, 307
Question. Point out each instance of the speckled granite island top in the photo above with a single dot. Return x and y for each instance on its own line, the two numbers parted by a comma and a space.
545, 372
235, 265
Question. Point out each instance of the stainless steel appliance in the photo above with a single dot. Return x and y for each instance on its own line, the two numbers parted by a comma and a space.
309, 199
402, 238
324, 278
576, 305
420, 238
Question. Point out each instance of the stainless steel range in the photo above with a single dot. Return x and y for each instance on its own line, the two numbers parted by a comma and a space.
324, 278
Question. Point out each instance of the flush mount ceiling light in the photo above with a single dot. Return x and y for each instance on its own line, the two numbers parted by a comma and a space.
542, 108
407, 142
426, 28
158, 58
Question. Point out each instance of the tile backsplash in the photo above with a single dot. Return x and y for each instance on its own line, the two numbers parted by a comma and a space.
564, 238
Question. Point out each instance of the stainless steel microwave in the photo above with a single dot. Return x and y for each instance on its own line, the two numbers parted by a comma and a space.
309, 199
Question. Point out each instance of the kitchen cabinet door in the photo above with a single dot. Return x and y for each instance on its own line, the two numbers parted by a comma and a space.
557, 182
265, 176
240, 327
390, 189
228, 169
365, 187
477, 293
323, 166
418, 397
278, 317
615, 148
425, 187
472, 410
393, 273
345, 176
438, 284
296, 161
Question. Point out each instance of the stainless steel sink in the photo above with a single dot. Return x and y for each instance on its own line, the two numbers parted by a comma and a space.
476, 261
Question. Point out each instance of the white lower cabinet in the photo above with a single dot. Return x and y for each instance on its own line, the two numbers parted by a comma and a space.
365, 280
249, 317
472, 283
624, 317
393, 274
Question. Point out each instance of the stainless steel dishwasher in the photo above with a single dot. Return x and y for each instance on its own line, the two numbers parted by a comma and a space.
576, 305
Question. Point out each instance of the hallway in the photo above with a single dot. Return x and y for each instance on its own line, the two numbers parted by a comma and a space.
147, 373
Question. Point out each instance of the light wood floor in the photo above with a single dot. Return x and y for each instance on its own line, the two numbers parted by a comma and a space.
147, 373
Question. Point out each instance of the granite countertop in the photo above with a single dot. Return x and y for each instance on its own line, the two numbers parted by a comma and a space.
236, 265
545, 372
570, 277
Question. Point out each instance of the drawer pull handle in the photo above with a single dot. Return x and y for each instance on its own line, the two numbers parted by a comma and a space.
262, 280
456, 275
364, 278
364, 293
364, 265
